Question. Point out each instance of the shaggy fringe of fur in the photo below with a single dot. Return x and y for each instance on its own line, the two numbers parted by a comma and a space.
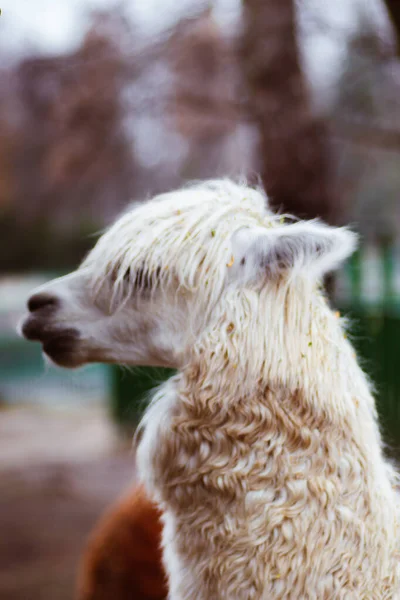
175, 241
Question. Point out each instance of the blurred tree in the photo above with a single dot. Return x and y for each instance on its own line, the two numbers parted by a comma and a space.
77, 159
200, 56
203, 105
295, 160
8, 141
393, 7
364, 118
73, 166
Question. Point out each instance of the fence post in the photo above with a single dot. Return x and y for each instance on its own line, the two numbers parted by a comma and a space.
130, 389
355, 276
388, 274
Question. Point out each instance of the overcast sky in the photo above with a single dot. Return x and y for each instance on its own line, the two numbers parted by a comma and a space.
57, 25
53, 26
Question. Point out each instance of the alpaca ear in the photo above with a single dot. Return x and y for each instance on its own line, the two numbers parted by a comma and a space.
309, 248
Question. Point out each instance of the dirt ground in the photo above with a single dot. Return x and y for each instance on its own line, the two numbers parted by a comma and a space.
58, 472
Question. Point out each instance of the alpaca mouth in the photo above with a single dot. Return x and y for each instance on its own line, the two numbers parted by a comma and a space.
60, 345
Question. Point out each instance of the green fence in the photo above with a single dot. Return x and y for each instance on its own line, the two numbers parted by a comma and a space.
372, 303
25, 379
130, 392
376, 337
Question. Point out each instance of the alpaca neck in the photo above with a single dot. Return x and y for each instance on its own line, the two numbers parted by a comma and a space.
265, 369
285, 336
289, 378
288, 341
254, 450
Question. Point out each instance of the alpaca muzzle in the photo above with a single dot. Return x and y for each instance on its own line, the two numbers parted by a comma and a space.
59, 344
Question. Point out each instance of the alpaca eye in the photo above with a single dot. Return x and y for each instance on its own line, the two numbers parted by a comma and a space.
145, 279
141, 278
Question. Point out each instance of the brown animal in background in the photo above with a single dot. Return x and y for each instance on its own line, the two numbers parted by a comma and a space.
123, 558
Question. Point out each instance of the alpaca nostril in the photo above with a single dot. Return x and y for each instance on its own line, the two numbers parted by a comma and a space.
38, 301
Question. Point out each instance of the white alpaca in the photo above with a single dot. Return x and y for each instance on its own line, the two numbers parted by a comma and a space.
264, 450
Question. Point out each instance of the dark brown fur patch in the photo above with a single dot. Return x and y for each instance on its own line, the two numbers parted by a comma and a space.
123, 558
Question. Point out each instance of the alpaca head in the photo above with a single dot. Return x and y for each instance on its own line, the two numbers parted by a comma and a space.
150, 286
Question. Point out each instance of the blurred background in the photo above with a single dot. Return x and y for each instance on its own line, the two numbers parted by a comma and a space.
103, 102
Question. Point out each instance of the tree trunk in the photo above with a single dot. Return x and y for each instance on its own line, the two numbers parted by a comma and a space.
294, 149
393, 8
